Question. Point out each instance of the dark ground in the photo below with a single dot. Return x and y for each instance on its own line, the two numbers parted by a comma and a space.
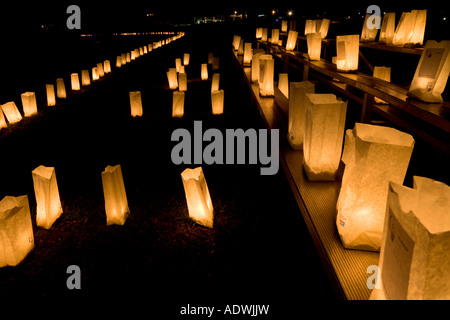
259, 251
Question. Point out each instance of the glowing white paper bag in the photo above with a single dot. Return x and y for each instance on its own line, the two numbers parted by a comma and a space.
323, 136
297, 112
60, 88
432, 72
255, 67
310, 26
197, 197
178, 64
136, 103
410, 28
284, 26
11, 112
204, 71
283, 84
236, 42
3, 123
217, 101
323, 28
178, 104
116, 203
85, 78
16, 230
107, 66
172, 78
266, 74
291, 40
50, 90
75, 81
347, 49
100, 70
182, 81
368, 34
186, 58
387, 28
29, 103
215, 82
95, 74
248, 53
47, 196
415, 252
314, 42
275, 36
373, 156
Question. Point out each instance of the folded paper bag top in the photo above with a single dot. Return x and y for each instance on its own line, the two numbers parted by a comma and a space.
47, 196
415, 252
16, 230
116, 203
197, 196
373, 156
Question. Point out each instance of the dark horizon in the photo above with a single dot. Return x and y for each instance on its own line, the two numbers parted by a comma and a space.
113, 17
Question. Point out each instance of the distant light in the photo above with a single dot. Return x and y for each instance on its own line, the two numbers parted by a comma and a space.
273, 11
235, 12
444, 18
290, 13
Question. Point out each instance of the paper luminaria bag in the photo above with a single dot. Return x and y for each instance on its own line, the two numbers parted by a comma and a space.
410, 28
182, 81
16, 236
116, 203
432, 72
197, 197
60, 88
347, 49
291, 40
266, 74
373, 156
217, 98
415, 252
3, 123
29, 103
47, 196
75, 81
314, 42
11, 112
204, 71
50, 90
297, 112
136, 103
248, 53
387, 28
178, 104
368, 34
172, 77
322, 27
323, 136
283, 84
215, 82
186, 58
85, 77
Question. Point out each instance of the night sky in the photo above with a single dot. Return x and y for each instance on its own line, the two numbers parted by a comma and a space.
119, 16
